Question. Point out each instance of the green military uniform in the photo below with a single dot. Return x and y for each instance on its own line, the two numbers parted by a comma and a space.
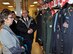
46, 30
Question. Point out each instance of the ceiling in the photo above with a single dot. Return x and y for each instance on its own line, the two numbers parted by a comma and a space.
6, 6
13, 4
23, 4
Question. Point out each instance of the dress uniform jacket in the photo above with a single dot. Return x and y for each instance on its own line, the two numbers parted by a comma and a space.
56, 37
46, 30
67, 33
64, 45
54, 33
49, 30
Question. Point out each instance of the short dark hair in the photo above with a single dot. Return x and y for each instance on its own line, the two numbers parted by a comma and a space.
13, 12
25, 10
5, 12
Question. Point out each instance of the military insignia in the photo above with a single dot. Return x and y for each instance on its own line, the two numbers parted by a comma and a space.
50, 26
64, 10
60, 15
40, 14
67, 17
65, 14
57, 36
71, 10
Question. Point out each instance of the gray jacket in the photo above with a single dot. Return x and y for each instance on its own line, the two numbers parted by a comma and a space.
8, 39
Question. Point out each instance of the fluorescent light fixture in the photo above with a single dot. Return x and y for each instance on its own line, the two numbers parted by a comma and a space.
10, 6
6, 3
35, 2
31, 5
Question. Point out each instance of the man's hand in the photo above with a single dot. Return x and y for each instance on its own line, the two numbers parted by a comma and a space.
30, 31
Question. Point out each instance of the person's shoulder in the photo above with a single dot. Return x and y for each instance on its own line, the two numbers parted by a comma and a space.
4, 31
20, 19
18, 16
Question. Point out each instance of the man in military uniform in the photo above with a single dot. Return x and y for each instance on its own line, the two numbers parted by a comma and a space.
65, 44
44, 22
67, 29
46, 29
55, 44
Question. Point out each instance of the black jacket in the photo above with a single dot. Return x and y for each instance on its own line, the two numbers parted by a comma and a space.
23, 28
14, 28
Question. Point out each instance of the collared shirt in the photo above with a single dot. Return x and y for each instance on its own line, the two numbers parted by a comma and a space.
26, 19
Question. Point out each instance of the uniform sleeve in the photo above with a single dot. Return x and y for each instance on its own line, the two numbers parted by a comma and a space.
5, 38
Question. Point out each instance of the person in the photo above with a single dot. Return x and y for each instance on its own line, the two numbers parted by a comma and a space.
46, 29
54, 46
10, 43
39, 27
26, 26
13, 26
66, 31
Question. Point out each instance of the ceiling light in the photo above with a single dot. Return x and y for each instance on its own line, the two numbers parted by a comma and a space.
35, 2
10, 6
6, 3
31, 5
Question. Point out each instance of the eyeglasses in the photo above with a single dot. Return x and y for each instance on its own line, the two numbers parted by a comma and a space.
11, 17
